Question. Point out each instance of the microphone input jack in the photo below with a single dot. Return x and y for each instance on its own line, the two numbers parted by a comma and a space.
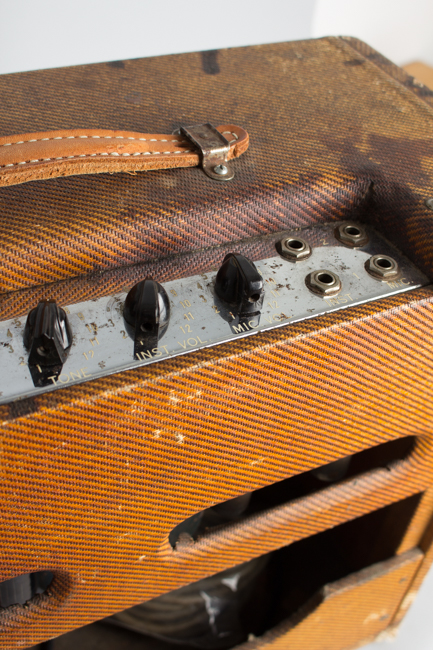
382, 267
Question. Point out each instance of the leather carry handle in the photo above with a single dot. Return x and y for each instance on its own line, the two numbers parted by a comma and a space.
37, 156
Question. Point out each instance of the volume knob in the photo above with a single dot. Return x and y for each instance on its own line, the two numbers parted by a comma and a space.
239, 283
47, 335
147, 312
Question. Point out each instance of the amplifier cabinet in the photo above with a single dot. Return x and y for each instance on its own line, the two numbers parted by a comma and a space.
98, 471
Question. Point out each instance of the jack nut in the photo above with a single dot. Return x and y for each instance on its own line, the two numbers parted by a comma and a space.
382, 267
324, 283
351, 234
294, 249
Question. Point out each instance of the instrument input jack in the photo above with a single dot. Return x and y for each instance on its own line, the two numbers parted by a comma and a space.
294, 249
323, 283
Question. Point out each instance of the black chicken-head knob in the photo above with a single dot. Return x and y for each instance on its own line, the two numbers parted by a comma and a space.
239, 284
147, 312
47, 335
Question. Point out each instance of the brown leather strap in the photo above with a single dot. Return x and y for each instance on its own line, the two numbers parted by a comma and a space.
35, 156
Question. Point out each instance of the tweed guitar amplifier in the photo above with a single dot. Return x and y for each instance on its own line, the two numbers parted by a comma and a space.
216, 349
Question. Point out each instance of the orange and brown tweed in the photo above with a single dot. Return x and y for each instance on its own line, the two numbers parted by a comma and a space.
329, 130
344, 612
95, 476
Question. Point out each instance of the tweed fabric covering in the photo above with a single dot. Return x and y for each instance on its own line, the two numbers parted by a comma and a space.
402, 76
329, 130
425, 544
66, 292
97, 475
415, 533
352, 609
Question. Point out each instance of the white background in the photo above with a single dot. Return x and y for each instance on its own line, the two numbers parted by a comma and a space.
51, 33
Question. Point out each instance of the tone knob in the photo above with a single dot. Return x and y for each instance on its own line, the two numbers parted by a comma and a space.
239, 284
146, 311
47, 335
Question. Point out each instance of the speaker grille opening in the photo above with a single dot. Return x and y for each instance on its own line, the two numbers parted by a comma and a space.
293, 488
20, 589
208, 615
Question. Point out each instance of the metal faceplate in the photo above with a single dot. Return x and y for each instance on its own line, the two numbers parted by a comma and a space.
101, 345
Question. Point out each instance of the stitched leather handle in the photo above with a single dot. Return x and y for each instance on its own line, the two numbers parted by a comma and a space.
36, 156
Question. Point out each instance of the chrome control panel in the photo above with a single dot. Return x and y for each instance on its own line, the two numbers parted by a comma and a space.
313, 271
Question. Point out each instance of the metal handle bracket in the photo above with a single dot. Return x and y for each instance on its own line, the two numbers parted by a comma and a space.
214, 149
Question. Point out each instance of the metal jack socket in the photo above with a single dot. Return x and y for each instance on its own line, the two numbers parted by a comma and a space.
324, 283
294, 249
382, 267
351, 234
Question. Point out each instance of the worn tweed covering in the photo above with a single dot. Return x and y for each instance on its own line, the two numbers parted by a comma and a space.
329, 128
96, 476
